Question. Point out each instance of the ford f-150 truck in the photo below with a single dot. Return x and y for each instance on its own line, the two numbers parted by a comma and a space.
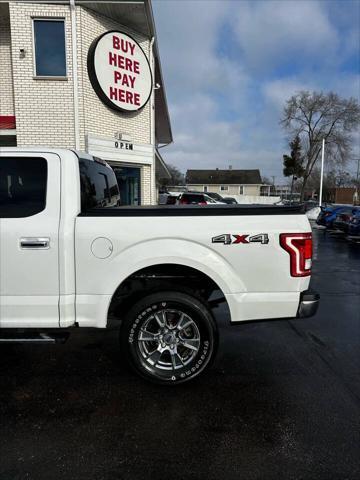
70, 256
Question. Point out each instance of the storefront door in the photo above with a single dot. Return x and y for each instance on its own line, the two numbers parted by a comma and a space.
129, 184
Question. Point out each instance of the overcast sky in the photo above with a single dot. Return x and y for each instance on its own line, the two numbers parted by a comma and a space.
229, 66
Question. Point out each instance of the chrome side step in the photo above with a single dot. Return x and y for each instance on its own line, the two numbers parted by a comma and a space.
31, 337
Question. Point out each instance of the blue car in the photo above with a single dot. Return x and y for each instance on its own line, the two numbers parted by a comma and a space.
328, 215
354, 225
343, 219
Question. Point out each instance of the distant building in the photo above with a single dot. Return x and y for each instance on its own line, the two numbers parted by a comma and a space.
226, 182
342, 195
282, 190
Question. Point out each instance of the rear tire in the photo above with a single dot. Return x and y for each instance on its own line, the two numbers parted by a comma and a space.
169, 337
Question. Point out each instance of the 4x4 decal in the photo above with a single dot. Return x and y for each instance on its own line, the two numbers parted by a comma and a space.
229, 239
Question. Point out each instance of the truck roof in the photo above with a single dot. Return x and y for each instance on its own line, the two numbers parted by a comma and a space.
44, 149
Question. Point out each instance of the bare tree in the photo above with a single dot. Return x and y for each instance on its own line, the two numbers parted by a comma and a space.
266, 181
314, 116
177, 178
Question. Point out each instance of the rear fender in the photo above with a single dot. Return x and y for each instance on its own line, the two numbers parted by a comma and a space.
180, 252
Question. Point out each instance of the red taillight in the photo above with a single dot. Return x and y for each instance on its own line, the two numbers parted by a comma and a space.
183, 201
299, 247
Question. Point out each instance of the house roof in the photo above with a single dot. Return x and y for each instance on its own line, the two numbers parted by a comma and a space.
217, 177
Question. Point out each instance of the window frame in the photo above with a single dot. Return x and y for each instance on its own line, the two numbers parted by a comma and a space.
241, 190
48, 19
224, 188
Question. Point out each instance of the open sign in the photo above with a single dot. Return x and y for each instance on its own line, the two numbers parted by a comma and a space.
119, 71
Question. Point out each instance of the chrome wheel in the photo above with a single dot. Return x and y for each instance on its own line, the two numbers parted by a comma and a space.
168, 339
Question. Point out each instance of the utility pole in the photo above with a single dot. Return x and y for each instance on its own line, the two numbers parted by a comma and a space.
322, 172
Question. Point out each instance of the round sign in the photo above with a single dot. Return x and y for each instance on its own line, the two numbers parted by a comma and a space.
119, 71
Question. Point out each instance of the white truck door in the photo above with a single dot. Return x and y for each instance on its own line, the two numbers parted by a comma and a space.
29, 243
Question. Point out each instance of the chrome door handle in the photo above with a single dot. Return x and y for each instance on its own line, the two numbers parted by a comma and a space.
36, 243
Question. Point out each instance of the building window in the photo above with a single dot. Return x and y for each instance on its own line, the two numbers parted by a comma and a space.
241, 190
205, 188
224, 188
22, 186
8, 141
49, 45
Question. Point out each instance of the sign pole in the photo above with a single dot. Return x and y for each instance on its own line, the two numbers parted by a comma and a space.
322, 172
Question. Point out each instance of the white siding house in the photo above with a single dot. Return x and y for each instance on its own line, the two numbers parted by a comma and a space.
225, 182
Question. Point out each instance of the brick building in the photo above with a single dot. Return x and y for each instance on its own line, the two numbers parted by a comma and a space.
53, 93
342, 195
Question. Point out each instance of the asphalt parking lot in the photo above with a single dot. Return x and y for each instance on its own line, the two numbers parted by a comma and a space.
281, 402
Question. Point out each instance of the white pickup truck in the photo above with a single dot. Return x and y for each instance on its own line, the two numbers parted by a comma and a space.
71, 257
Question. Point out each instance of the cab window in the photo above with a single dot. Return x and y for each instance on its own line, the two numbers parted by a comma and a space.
99, 188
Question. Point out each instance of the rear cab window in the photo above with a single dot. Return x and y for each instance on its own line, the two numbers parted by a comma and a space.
98, 185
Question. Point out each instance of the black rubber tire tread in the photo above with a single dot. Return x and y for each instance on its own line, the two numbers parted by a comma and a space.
201, 311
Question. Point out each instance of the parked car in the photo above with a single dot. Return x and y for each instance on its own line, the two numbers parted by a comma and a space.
342, 220
172, 199
69, 259
328, 214
213, 195
191, 198
218, 197
230, 200
325, 212
166, 197
354, 225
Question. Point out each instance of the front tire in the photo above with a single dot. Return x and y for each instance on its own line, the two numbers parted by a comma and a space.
169, 337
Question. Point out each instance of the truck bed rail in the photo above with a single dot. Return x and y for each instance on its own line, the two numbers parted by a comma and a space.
194, 210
